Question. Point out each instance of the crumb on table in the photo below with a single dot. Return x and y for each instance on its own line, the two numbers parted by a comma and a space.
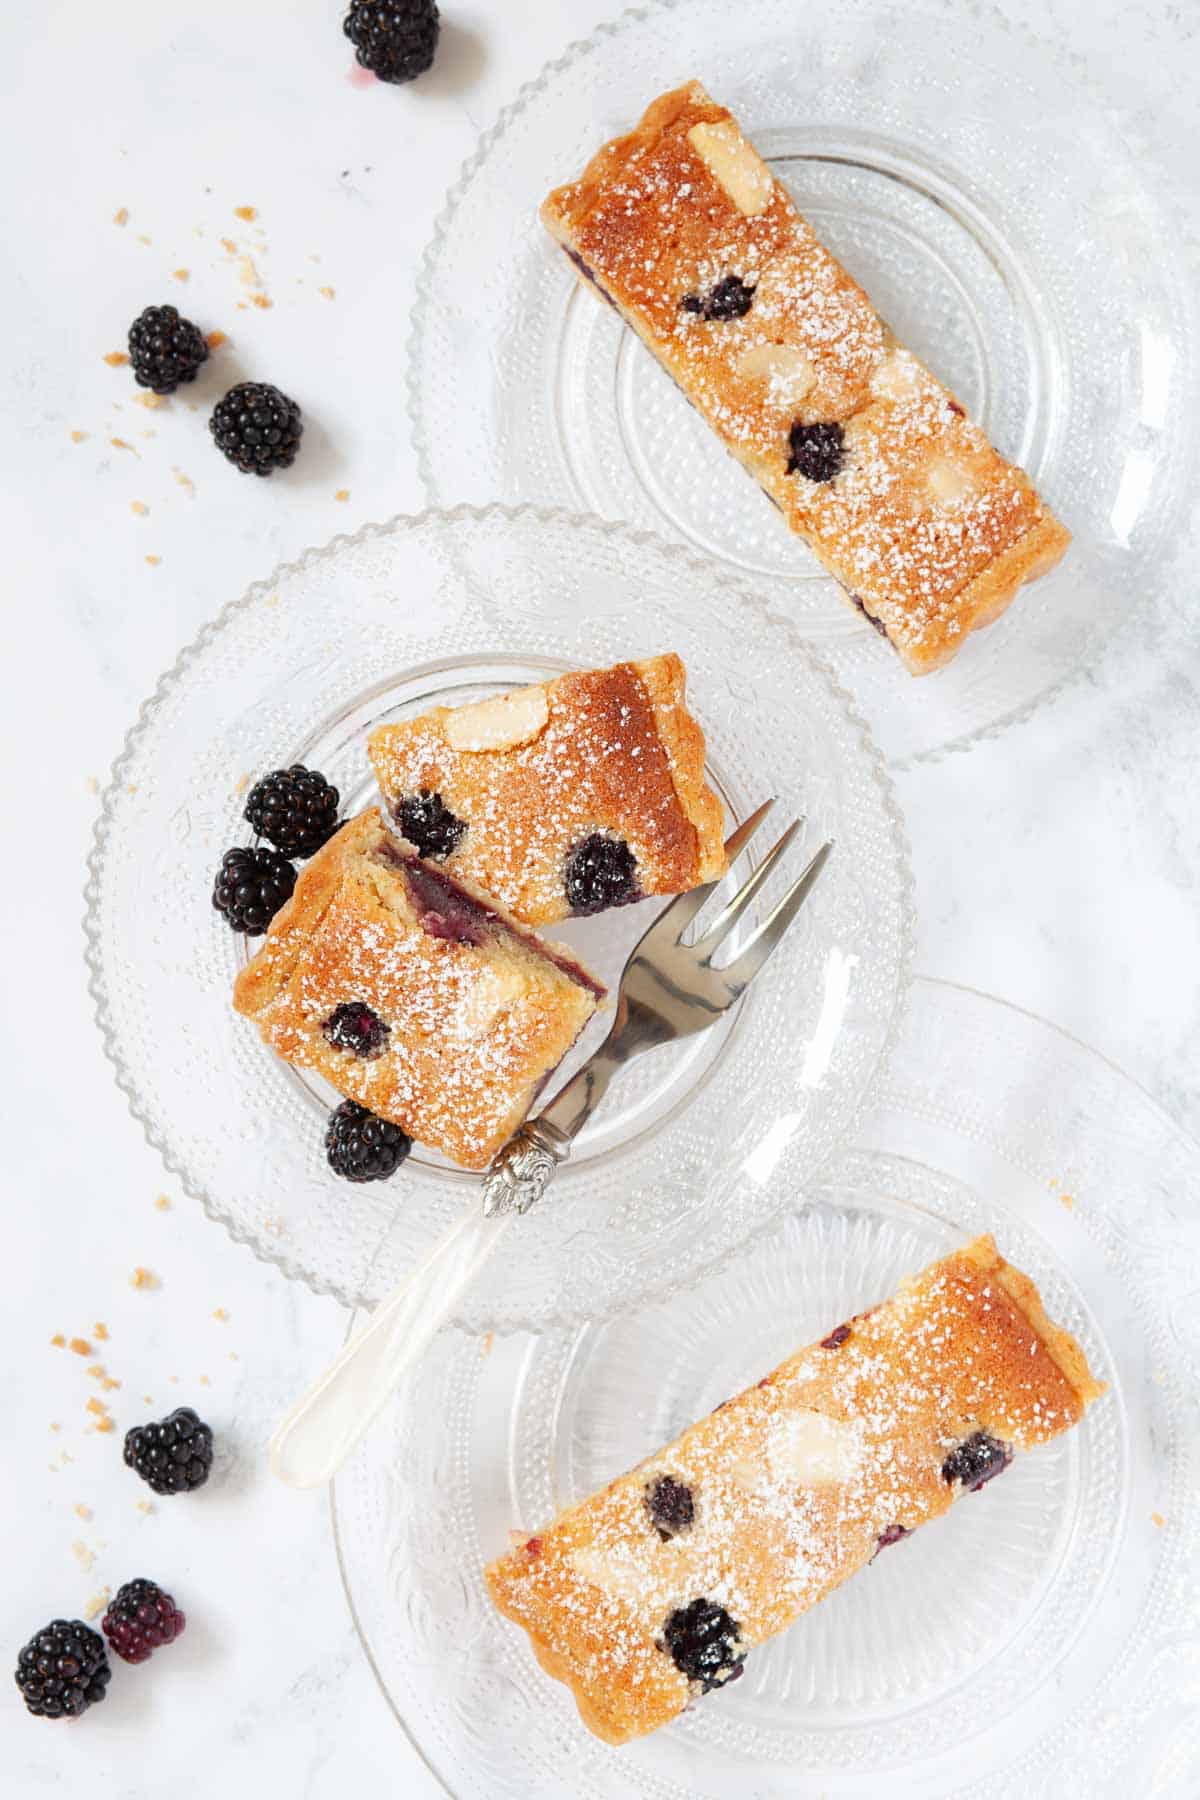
143, 1278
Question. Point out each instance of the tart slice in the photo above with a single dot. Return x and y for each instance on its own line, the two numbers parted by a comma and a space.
655, 1590
414, 994
569, 797
684, 229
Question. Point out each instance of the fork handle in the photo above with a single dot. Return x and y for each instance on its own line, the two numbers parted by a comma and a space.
523, 1170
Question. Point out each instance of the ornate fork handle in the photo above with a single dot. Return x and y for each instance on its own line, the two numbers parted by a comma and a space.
523, 1170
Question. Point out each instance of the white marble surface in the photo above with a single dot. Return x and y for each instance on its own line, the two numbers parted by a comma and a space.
1058, 866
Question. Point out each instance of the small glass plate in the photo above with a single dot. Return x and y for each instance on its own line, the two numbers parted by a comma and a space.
697, 1144
1042, 1639
988, 205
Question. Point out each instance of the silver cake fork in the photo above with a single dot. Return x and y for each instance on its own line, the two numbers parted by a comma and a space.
669, 990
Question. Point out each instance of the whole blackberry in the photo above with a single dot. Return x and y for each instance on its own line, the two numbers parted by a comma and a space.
395, 39
63, 1670
976, 1460
164, 349
251, 886
702, 1641
670, 1505
816, 451
361, 1147
140, 1620
174, 1455
257, 428
295, 809
358, 1027
731, 298
601, 871
429, 825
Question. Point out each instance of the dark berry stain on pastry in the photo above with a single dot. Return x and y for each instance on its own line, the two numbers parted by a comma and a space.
816, 450
670, 1505
878, 624
703, 1642
357, 1027
836, 1338
731, 298
601, 872
429, 825
891, 1535
589, 274
361, 1147
444, 909
978, 1459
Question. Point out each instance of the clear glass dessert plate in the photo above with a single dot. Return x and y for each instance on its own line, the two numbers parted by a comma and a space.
1041, 1639
697, 1144
988, 205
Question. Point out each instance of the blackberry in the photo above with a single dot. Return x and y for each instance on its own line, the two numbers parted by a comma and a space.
63, 1670
816, 451
837, 1337
251, 886
429, 825
702, 1641
164, 349
140, 1620
601, 871
395, 39
891, 1534
361, 1147
295, 809
358, 1027
730, 299
257, 428
978, 1459
671, 1506
174, 1455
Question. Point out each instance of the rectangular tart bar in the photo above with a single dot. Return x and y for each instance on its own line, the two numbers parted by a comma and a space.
568, 797
413, 994
684, 229
653, 1591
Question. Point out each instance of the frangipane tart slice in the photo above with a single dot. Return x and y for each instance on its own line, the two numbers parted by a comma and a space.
653, 1591
871, 460
568, 797
414, 994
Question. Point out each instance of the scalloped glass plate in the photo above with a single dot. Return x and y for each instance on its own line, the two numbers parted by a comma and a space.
986, 202
698, 1143
1042, 1640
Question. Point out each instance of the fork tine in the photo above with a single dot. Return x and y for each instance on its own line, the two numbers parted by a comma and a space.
725, 920
771, 932
675, 919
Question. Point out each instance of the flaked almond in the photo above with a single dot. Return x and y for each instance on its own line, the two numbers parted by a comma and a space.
736, 164
499, 724
948, 481
814, 1450
787, 371
897, 377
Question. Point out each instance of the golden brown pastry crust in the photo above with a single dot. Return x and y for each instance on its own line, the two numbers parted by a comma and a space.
925, 526
474, 1029
618, 752
793, 1483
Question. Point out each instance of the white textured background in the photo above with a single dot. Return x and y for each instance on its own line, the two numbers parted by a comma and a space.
1058, 866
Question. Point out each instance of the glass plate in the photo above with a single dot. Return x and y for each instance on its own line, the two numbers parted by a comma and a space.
697, 1144
1042, 1640
987, 203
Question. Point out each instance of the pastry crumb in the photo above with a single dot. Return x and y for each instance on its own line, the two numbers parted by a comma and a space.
485, 1348
1158, 1518
181, 274
120, 444
96, 1371
262, 302
151, 402
98, 1408
184, 481
92, 785
54, 1425
79, 437
143, 1278
215, 339
220, 1314
341, 494
327, 293
105, 1424
116, 359
204, 1381
143, 239
248, 213
100, 1331
80, 1346
82, 1511
145, 1507
97, 1604
229, 247
121, 216
83, 1556
1067, 1200
59, 1341
240, 785
139, 507
154, 561
162, 1203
